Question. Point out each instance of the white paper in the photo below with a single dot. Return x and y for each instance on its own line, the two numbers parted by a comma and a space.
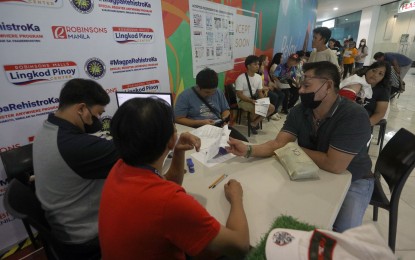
347, 54
261, 106
214, 139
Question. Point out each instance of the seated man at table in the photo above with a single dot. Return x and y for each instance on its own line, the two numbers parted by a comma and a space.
333, 131
71, 165
204, 104
147, 215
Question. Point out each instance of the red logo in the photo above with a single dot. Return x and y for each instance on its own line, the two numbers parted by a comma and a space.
59, 32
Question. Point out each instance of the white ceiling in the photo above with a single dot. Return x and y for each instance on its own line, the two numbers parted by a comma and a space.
325, 7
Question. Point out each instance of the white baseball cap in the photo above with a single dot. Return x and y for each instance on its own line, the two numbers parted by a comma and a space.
363, 242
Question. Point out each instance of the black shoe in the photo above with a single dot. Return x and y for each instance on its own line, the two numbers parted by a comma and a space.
253, 130
285, 112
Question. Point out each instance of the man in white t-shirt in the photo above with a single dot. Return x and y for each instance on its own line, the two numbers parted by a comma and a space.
246, 98
321, 36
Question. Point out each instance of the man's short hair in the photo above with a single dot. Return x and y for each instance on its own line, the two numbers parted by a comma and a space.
86, 91
251, 59
324, 69
324, 32
207, 78
141, 129
378, 55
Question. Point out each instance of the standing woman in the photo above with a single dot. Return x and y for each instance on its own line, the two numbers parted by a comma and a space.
350, 52
362, 52
377, 76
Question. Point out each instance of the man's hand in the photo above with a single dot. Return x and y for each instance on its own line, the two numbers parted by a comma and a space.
233, 191
207, 122
187, 141
236, 147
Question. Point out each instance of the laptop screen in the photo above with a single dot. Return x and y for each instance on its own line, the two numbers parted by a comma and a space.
124, 96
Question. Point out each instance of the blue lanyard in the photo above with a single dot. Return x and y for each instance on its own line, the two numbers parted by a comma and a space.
148, 167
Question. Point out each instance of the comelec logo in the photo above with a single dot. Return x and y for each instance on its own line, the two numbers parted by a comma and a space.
59, 32
83, 6
95, 68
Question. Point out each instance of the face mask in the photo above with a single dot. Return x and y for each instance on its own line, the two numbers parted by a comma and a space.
95, 127
307, 99
96, 124
362, 43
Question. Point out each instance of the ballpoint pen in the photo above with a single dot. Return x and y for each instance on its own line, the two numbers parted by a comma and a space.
221, 178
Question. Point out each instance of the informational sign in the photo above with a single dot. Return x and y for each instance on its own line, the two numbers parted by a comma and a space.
406, 6
43, 44
244, 39
212, 32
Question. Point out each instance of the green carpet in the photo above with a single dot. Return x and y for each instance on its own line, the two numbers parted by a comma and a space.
258, 253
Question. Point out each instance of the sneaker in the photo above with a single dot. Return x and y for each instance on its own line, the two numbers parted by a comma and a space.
254, 130
275, 117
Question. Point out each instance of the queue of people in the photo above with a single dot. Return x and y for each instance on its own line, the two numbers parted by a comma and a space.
94, 190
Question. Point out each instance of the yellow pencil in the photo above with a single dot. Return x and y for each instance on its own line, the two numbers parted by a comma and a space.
221, 178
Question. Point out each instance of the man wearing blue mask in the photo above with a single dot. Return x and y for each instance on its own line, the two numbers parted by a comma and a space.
71, 165
333, 131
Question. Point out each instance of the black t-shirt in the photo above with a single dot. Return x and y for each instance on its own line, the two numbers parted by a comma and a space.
380, 93
346, 129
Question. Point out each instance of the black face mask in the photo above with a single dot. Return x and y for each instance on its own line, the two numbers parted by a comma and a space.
307, 99
96, 124
95, 127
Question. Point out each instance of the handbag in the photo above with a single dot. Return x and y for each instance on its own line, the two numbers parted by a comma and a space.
296, 162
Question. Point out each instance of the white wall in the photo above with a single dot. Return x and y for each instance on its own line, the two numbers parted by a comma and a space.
367, 29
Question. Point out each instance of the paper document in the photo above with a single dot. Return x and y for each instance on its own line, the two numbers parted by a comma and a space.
261, 106
214, 139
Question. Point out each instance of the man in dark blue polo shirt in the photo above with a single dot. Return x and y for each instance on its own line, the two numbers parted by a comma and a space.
333, 131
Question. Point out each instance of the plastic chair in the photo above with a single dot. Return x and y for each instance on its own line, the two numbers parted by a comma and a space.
18, 164
395, 163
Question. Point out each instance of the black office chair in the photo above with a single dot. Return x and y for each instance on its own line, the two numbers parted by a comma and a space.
395, 163
382, 130
21, 202
18, 164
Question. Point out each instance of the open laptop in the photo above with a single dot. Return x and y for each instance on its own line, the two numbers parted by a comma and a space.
124, 96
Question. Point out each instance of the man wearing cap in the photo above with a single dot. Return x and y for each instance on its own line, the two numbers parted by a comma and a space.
285, 77
333, 131
321, 36
400, 62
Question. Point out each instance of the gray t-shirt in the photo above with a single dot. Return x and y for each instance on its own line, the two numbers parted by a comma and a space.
190, 106
346, 129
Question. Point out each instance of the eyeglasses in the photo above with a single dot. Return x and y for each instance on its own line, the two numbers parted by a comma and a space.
304, 80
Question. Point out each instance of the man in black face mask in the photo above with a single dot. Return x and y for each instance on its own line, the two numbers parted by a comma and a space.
333, 131
71, 165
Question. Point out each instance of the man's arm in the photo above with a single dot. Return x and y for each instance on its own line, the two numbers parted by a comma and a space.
193, 122
225, 114
263, 150
333, 161
186, 142
242, 97
233, 240
395, 65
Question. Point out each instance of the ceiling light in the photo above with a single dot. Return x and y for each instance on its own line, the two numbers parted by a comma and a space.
346, 19
335, 8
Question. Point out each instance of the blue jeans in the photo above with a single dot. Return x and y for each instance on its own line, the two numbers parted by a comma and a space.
354, 205
276, 98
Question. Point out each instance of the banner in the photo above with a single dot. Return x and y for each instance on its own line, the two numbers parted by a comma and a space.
43, 44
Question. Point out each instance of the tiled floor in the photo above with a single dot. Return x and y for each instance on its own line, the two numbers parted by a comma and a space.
402, 114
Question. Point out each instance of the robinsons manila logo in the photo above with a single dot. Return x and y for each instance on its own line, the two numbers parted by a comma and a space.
26, 74
95, 68
133, 35
83, 6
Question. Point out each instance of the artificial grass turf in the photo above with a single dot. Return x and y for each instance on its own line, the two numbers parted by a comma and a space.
258, 253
